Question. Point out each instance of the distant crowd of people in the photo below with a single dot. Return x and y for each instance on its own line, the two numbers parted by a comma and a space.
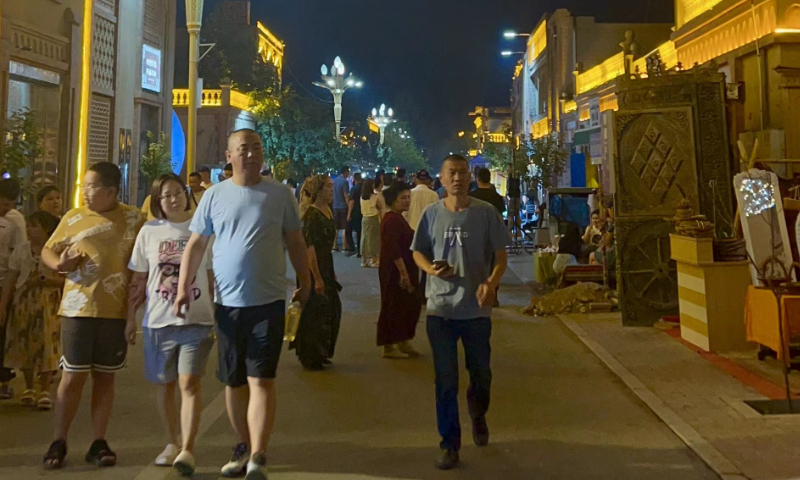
210, 263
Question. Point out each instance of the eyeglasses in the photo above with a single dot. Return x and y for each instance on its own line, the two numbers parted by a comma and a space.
170, 196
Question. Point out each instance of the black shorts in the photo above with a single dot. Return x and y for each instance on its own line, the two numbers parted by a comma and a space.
93, 344
340, 218
250, 340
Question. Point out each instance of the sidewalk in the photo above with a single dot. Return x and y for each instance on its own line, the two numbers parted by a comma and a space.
701, 402
699, 396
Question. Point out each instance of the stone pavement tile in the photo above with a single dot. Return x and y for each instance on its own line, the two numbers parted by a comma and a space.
707, 398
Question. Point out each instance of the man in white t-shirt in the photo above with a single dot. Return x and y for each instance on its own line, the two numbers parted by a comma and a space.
421, 197
12, 235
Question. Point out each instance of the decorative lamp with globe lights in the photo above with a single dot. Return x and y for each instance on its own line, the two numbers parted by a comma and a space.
334, 81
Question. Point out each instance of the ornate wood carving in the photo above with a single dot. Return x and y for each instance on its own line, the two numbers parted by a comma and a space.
672, 143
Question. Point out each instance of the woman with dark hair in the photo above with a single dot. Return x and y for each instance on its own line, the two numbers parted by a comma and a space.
570, 249
319, 325
33, 343
399, 277
175, 349
49, 199
372, 209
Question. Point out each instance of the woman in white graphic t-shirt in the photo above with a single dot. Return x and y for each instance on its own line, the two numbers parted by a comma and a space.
175, 350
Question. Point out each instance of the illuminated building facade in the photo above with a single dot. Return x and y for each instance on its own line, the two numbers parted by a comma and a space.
757, 46
97, 74
491, 125
546, 87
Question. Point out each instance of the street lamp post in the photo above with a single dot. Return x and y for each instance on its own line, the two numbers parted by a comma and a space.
337, 84
382, 118
194, 21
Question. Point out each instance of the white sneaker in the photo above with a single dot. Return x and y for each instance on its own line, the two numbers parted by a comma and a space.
236, 467
184, 464
257, 471
168, 456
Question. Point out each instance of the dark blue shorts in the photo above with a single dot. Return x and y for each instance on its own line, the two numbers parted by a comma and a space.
250, 341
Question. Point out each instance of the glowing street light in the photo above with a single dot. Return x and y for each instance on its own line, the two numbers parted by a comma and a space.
336, 83
510, 34
194, 22
508, 53
382, 118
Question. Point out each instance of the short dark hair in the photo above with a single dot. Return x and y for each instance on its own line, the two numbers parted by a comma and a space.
9, 189
292, 182
109, 174
195, 175
155, 194
228, 167
455, 158
204, 170
484, 175
356, 177
401, 173
45, 191
391, 194
344, 169
596, 212
47, 221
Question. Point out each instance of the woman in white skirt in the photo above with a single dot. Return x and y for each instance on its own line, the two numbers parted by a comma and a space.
175, 349
372, 209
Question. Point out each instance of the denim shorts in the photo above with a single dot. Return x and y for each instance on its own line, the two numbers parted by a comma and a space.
176, 350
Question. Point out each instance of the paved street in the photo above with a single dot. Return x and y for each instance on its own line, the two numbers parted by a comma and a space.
556, 413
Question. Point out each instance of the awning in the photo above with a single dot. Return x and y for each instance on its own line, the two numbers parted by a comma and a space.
478, 162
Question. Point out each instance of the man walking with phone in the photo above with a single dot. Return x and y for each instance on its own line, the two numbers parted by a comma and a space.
454, 244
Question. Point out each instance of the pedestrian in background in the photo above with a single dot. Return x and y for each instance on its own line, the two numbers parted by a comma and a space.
341, 188
92, 246
196, 189
354, 215
33, 344
176, 350
421, 197
50, 200
453, 244
399, 278
227, 172
372, 208
12, 236
316, 338
205, 177
253, 218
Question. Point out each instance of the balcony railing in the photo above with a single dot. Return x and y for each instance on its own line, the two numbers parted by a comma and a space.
213, 98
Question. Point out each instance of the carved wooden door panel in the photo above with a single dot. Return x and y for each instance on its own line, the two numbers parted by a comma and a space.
671, 144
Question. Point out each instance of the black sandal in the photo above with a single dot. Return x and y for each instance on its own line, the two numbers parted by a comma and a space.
54, 458
101, 454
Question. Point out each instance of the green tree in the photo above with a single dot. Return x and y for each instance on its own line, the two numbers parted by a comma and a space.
158, 159
297, 134
546, 157
399, 150
235, 56
20, 150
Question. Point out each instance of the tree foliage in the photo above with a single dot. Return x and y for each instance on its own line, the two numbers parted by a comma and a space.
158, 159
297, 135
235, 56
21, 148
538, 161
400, 151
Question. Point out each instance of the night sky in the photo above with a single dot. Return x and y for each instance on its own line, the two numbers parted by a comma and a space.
432, 60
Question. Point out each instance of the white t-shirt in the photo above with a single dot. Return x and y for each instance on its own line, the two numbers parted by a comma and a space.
12, 236
158, 252
421, 198
373, 206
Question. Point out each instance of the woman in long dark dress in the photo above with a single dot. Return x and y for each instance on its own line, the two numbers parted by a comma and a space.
319, 325
399, 277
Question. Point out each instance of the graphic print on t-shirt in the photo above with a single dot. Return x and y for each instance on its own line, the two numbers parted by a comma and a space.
170, 253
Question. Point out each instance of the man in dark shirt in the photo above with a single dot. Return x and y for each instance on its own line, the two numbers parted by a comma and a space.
487, 192
354, 216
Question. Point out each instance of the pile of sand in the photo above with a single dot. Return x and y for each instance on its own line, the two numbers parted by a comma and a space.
579, 298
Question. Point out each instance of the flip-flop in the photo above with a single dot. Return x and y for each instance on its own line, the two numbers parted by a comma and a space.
54, 458
28, 398
44, 402
101, 454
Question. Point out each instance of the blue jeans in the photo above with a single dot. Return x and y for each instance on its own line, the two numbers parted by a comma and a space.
475, 335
